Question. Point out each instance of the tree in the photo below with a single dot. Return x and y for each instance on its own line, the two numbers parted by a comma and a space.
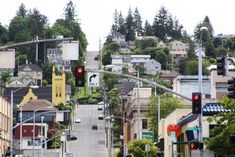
130, 26
3, 34
168, 104
138, 23
69, 11
160, 24
219, 141
115, 24
137, 148
114, 101
22, 11
121, 24
205, 37
148, 30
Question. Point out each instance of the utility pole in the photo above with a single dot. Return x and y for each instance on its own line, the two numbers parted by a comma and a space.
138, 103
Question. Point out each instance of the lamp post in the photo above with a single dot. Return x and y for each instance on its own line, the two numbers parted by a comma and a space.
34, 112
200, 85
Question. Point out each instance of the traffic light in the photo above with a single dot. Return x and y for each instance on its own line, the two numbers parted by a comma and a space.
196, 103
195, 145
221, 66
231, 88
79, 74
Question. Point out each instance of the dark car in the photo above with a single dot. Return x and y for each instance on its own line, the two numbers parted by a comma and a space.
73, 138
94, 127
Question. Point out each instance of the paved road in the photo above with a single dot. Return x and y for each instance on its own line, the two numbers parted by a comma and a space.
90, 143
90, 62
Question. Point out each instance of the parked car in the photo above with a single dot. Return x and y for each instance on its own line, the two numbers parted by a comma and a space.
101, 117
78, 120
100, 108
94, 127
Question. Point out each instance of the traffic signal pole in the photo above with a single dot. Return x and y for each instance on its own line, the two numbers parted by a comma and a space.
142, 80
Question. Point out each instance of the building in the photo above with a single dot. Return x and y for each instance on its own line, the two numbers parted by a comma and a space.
44, 114
131, 109
219, 87
139, 59
5, 123
163, 136
56, 93
117, 61
187, 84
178, 50
189, 132
152, 67
169, 76
30, 74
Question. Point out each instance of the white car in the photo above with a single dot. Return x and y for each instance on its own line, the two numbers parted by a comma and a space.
101, 103
78, 120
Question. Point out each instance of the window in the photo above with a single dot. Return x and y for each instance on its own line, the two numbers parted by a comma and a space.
144, 123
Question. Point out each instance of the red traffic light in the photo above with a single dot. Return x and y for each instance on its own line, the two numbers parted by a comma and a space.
195, 98
192, 146
80, 70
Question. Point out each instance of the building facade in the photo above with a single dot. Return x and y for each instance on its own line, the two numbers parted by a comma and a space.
5, 123
152, 67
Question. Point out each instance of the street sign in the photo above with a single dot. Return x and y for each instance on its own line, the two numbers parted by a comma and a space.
93, 79
69, 154
147, 134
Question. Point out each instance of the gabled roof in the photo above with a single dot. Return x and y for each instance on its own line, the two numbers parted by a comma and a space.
209, 109
39, 104
34, 67
44, 92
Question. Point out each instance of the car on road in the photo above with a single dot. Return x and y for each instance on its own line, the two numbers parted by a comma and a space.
78, 120
73, 138
101, 117
94, 127
100, 108
101, 103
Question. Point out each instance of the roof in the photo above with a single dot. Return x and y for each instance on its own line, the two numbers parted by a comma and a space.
34, 67
140, 56
170, 74
209, 109
44, 92
40, 105
125, 87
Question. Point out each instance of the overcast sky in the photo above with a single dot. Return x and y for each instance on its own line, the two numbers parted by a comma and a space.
96, 16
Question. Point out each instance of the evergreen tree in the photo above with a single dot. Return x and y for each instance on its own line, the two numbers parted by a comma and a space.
69, 11
148, 29
115, 24
121, 24
208, 24
138, 23
130, 26
22, 11
160, 24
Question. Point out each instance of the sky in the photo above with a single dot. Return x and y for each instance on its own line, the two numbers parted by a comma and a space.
96, 16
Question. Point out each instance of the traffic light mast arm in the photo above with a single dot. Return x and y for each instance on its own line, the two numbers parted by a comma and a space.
142, 80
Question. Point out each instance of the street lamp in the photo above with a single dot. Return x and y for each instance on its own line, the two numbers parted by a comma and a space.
34, 112
202, 29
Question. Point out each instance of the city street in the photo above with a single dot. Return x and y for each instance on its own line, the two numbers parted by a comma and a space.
89, 142
91, 63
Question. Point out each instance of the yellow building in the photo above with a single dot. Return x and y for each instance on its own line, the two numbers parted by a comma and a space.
58, 87
5, 121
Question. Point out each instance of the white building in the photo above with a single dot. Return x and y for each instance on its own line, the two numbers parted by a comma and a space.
138, 59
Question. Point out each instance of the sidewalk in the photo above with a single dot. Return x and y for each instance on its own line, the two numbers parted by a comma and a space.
46, 153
